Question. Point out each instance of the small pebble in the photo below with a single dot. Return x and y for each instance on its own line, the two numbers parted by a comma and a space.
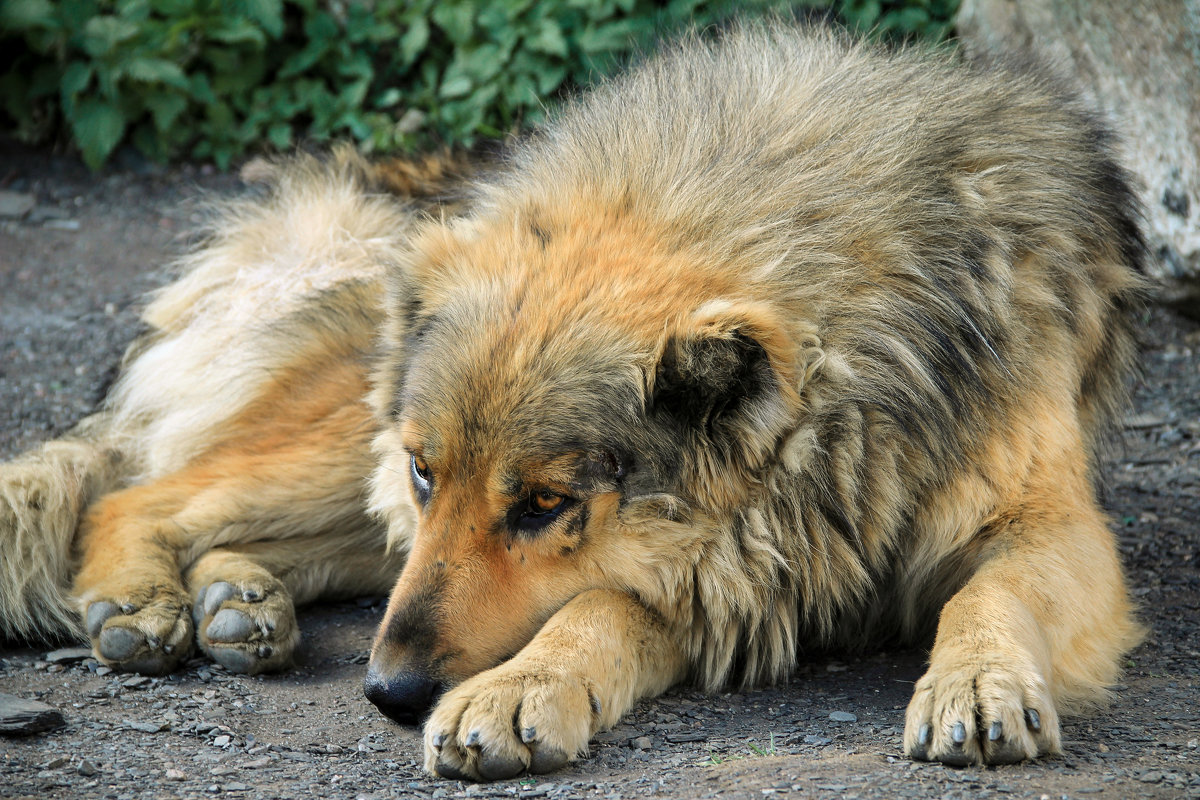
843, 716
175, 775
87, 769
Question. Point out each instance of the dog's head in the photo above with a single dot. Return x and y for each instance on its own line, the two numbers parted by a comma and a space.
564, 404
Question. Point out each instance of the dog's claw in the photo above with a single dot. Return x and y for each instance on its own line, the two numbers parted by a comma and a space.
924, 734
996, 731
528, 735
1033, 719
472, 739
958, 734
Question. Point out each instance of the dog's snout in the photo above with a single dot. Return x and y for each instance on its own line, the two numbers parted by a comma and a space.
405, 697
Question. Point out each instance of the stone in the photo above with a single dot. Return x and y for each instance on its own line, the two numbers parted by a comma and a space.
1139, 64
69, 655
21, 717
843, 716
15, 205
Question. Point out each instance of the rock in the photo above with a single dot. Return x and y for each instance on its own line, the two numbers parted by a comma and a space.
221, 741
87, 769
175, 775
69, 655
1139, 63
20, 717
641, 743
145, 727
15, 205
843, 716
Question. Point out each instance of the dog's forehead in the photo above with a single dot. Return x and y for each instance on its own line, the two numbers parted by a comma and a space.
492, 377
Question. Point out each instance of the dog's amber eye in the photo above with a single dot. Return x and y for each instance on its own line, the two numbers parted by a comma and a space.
420, 467
544, 502
422, 478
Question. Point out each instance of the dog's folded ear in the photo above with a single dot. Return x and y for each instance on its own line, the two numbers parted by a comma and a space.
731, 376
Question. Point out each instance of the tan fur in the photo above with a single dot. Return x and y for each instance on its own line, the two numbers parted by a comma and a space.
774, 343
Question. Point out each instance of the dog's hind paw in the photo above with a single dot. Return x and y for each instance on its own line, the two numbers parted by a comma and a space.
248, 626
508, 720
981, 712
149, 633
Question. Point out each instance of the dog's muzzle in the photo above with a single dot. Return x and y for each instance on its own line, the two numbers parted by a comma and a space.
405, 697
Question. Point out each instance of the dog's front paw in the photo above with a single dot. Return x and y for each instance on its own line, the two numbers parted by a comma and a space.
507, 720
146, 630
248, 626
981, 711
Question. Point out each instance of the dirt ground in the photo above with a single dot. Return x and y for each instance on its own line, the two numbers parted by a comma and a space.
71, 274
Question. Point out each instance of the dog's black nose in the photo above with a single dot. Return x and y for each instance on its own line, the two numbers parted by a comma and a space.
405, 697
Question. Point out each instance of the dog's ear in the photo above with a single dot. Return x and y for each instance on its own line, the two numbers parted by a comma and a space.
730, 375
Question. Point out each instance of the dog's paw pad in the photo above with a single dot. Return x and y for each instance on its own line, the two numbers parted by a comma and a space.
149, 637
230, 625
247, 628
507, 720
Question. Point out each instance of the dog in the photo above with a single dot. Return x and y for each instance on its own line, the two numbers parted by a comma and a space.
779, 340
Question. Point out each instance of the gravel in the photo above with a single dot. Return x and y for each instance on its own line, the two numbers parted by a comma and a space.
69, 296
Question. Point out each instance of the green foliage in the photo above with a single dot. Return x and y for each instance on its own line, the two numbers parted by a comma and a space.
211, 79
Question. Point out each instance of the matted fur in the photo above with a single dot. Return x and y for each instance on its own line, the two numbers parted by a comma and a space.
777, 342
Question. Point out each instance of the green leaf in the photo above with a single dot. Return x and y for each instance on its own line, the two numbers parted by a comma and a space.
98, 127
236, 30
156, 70
102, 34
456, 19
548, 39
413, 41
165, 108
75, 79
280, 135
455, 86
267, 13
21, 15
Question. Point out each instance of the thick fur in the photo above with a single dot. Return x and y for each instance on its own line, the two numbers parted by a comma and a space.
774, 343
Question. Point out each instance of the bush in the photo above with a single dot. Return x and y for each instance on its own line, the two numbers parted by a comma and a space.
210, 79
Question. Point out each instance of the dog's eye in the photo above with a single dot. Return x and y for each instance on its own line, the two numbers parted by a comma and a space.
538, 510
544, 502
422, 478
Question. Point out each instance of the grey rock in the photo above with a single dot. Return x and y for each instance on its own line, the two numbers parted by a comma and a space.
15, 205
843, 716
1138, 62
69, 655
21, 717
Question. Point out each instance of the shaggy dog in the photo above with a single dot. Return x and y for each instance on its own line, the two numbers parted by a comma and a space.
776, 342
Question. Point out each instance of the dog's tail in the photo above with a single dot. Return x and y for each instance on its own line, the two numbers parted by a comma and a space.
42, 495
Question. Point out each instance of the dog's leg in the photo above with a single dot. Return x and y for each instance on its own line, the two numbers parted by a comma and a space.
594, 658
1038, 629
128, 587
244, 595
292, 468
